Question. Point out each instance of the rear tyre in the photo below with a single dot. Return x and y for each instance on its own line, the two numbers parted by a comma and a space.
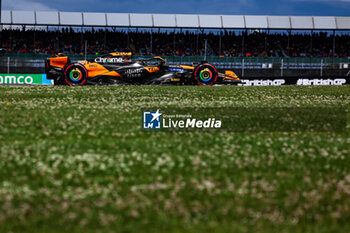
75, 75
205, 74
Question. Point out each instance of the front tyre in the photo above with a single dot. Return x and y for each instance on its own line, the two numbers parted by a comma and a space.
75, 75
205, 74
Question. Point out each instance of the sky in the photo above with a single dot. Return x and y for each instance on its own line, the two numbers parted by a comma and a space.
226, 7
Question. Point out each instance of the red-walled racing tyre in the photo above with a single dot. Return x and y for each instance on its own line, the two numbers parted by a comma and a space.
75, 75
205, 74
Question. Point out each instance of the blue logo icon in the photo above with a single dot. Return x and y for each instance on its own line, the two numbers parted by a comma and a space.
151, 120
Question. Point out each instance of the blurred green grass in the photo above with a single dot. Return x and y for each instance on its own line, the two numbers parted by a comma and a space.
77, 160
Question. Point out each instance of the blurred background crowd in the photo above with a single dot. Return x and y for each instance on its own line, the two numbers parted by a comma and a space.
179, 43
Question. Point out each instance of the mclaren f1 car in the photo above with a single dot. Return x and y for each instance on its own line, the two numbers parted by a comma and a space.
120, 68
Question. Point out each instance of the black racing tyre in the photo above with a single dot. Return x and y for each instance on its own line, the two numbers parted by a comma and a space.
75, 75
205, 74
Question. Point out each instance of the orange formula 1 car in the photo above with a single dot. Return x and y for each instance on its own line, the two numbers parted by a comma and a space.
119, 68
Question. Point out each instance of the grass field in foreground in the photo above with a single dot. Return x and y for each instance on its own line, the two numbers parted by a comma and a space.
76, 160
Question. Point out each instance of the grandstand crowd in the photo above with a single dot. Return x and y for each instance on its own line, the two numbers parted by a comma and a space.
186, 43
